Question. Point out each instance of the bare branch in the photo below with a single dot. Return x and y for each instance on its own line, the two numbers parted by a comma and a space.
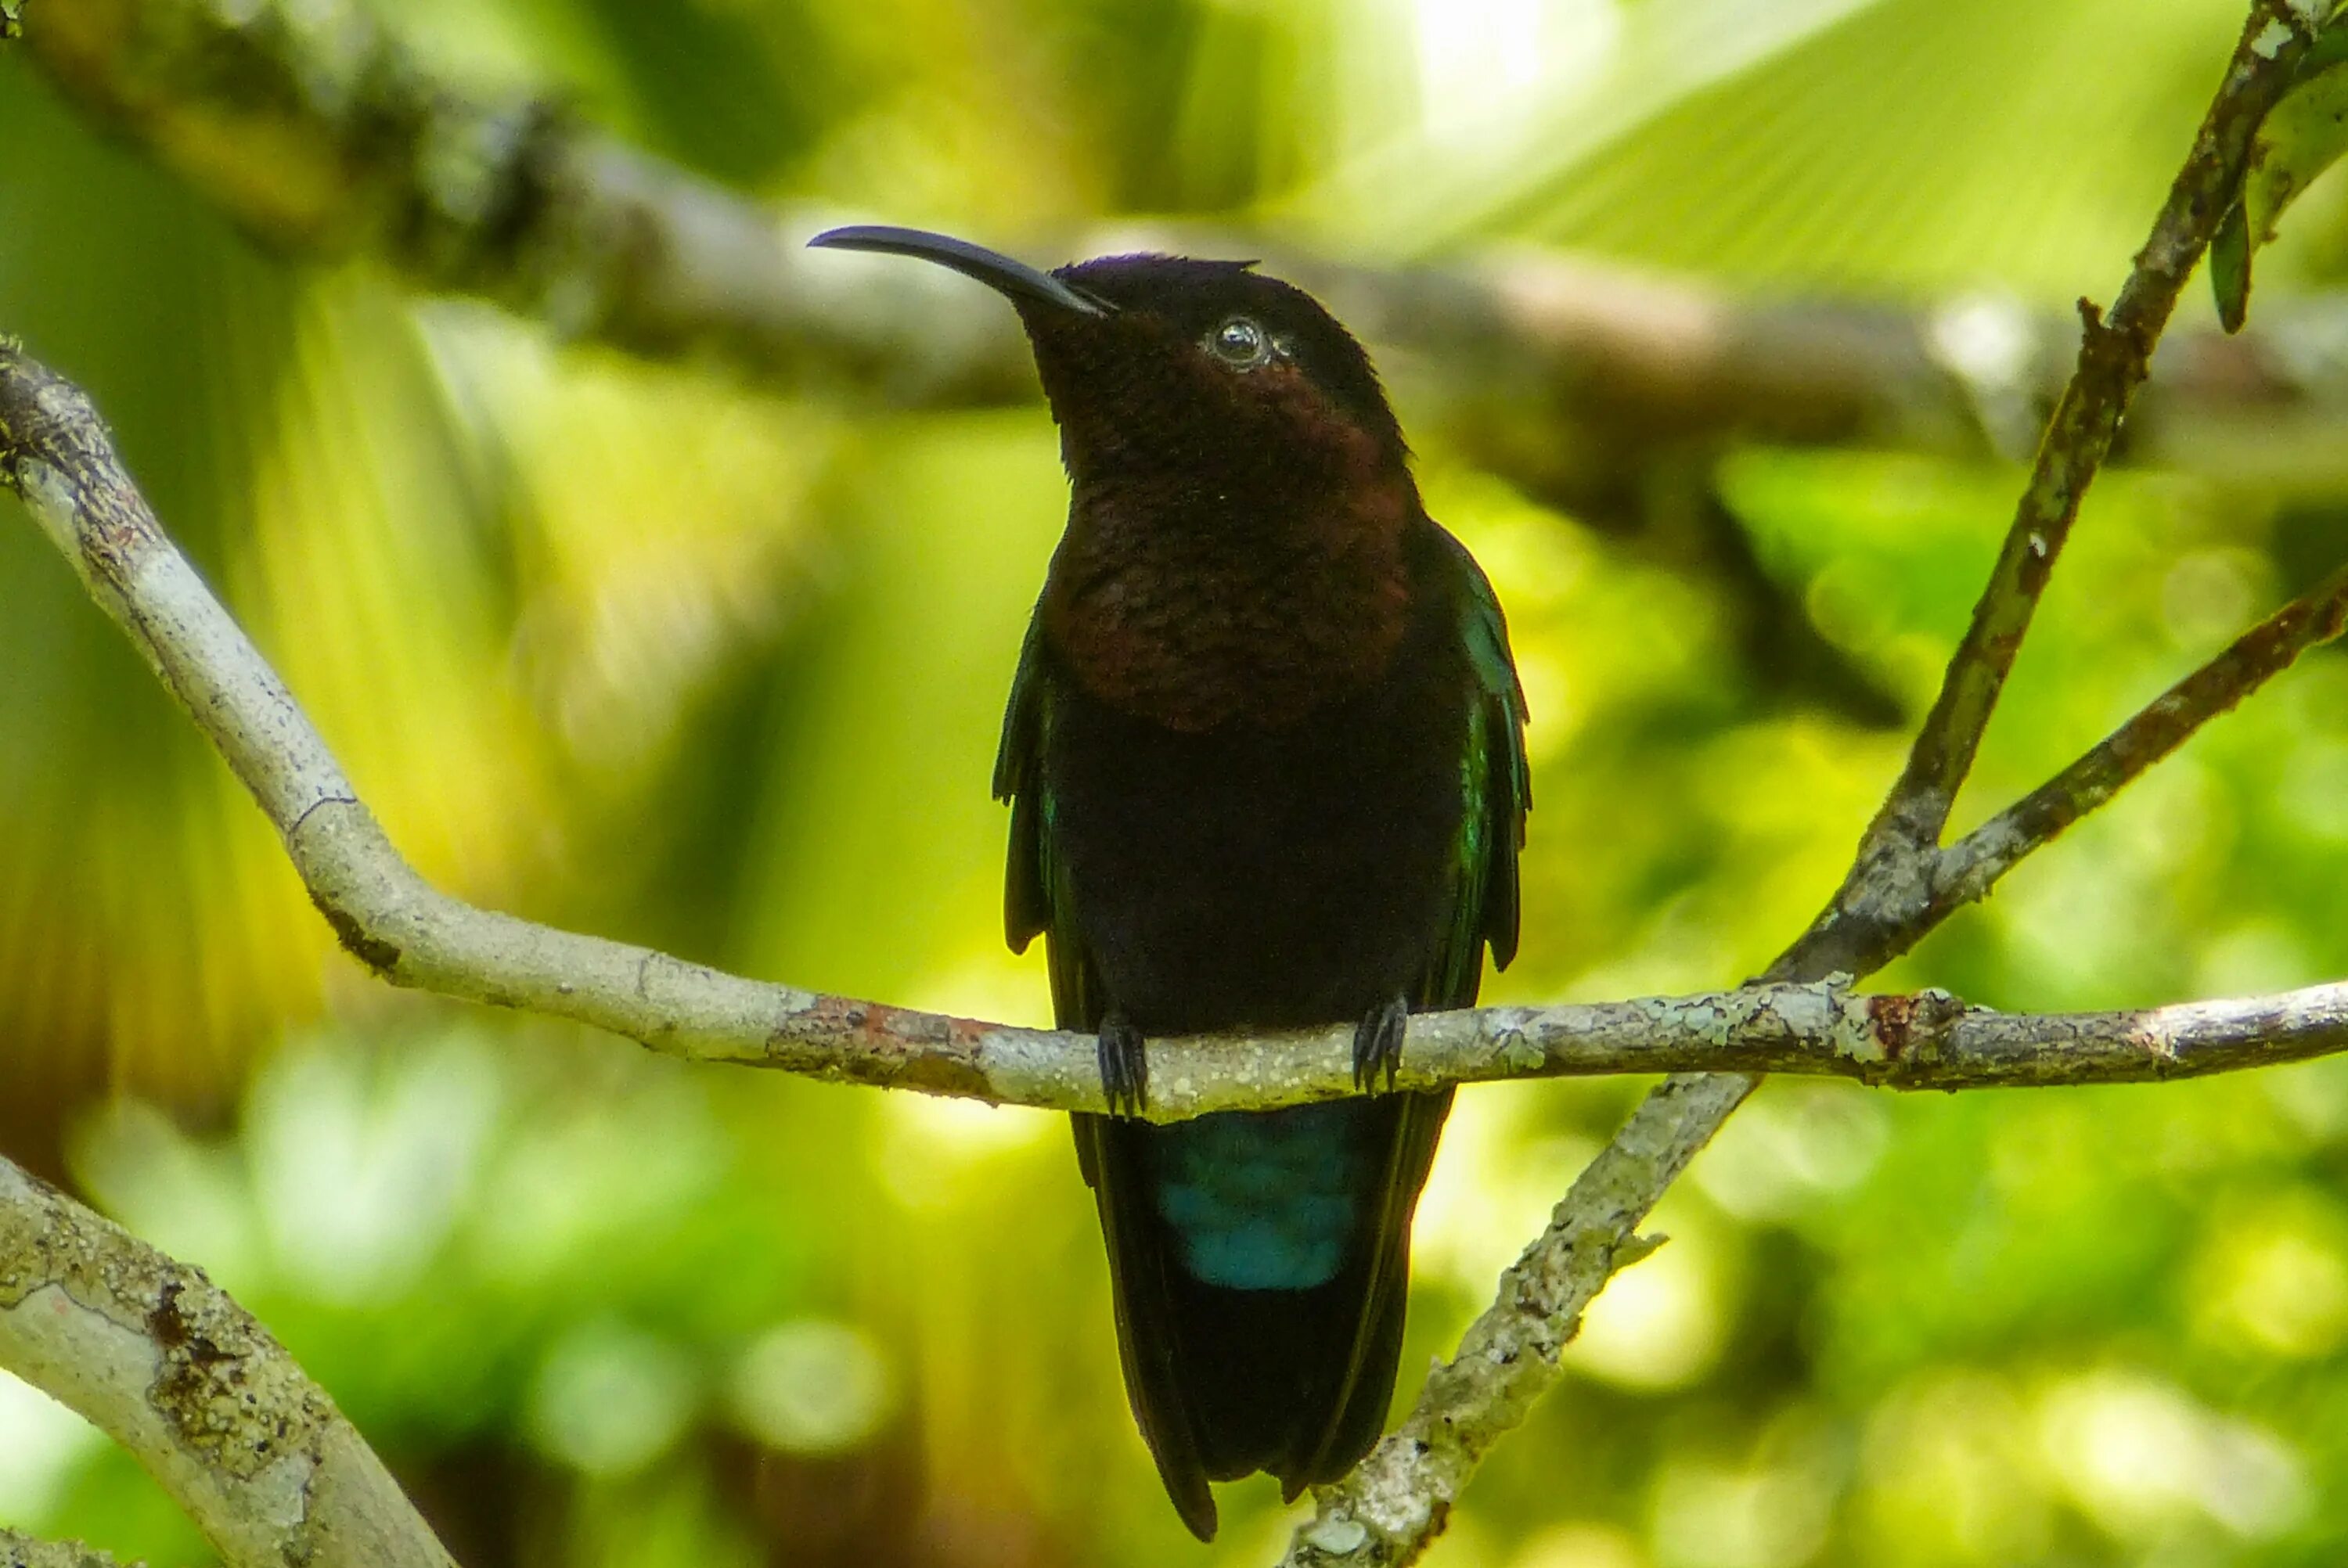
158, 1356
1968, 868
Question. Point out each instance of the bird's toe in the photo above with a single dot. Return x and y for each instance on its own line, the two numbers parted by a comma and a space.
1124, 1068
1377, 1044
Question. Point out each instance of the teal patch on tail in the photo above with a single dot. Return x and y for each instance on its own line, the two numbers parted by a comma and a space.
1263, 1199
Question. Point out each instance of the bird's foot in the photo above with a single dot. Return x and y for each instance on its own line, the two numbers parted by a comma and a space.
1377, 1044
1124, 1067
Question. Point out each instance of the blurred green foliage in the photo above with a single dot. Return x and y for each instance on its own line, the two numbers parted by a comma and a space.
640, 652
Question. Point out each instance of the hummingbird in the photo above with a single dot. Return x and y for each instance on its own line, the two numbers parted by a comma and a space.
1264, 755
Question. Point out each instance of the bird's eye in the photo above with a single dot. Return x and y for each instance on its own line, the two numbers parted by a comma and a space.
1239, 342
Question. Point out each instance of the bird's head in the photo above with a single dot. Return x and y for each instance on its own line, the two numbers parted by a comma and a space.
1167, 365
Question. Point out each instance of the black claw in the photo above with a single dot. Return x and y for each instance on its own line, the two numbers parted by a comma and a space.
1124, 1068
1377, 1044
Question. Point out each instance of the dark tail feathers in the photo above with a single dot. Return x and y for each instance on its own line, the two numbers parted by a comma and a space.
1226, 1382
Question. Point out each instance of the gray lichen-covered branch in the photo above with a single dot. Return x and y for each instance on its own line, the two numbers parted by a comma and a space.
158, 1356
21, 1550
55, 452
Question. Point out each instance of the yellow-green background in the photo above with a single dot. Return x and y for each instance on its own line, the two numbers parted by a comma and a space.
639, 650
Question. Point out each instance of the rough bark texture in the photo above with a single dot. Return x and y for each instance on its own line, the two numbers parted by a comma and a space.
158, 1356
18, 1551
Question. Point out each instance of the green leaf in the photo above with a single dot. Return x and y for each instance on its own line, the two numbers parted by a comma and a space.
12, 18
2301, 136
2229, 267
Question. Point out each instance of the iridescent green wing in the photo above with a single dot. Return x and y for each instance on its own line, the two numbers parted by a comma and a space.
1035, 898
1498, 785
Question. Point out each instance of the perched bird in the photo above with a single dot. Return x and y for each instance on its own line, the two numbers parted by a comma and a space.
1264, 755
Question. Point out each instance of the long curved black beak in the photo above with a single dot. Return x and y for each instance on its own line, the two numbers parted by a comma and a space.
1016, 280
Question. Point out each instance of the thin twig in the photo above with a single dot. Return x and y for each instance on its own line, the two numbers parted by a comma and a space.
1968, 867
2114, 358
1872, 916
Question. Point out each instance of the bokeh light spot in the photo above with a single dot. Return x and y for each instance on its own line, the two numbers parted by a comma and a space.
611, 1398
812, 1387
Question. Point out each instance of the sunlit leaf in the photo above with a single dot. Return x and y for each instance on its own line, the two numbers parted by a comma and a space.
2300, 138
